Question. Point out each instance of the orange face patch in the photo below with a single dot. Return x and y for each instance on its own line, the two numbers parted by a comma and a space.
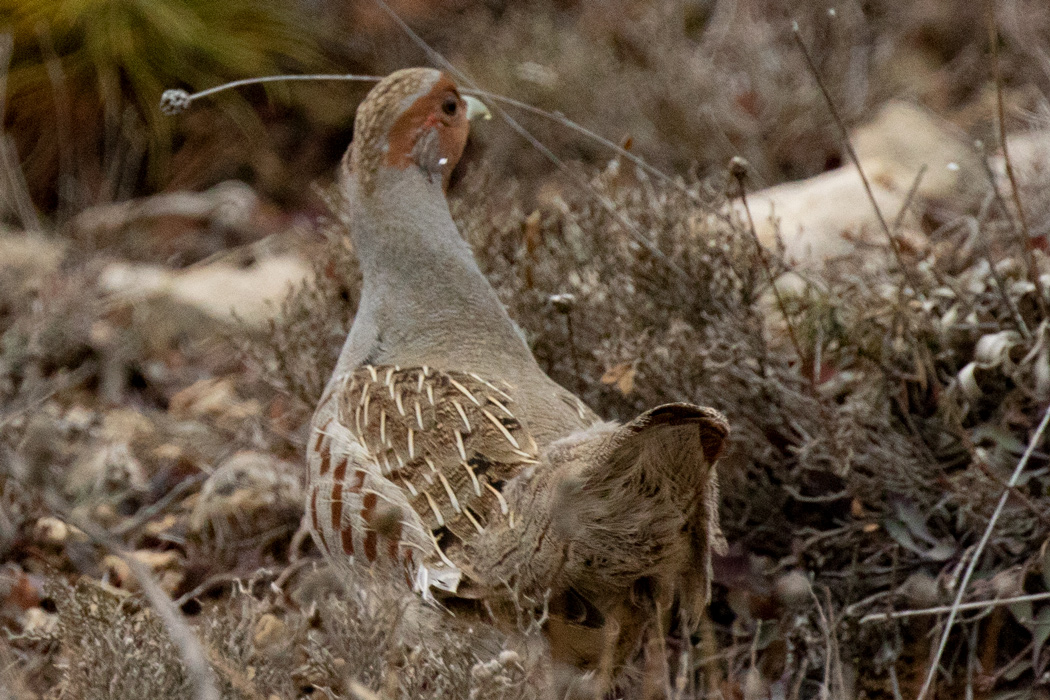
441, 110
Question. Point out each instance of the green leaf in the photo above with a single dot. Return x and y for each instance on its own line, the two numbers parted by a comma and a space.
1045, 566
902, 534
1023, 694
1015, 671
1040, 630
1022, 612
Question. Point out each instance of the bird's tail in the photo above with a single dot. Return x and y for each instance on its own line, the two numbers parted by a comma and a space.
615, 505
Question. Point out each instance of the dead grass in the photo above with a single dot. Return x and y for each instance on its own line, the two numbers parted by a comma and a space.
106, 644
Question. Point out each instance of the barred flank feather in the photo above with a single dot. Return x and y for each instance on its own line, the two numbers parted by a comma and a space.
431, 451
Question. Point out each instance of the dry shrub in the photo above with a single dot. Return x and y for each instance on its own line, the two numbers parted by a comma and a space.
304, 339
107, 644
13, 682
708, 90
720, 79
884, 465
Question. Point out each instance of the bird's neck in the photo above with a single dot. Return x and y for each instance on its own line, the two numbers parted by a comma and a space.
424, 299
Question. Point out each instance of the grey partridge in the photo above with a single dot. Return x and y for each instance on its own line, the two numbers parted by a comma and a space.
443, 457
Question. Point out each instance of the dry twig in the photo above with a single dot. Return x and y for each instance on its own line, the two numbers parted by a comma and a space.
199, 672
974, 605
1026, 242
976, 556
738, 169
848, 145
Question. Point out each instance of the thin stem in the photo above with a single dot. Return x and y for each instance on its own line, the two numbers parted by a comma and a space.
953, 611
7, 45
848, 145
1033, 269
561, 119
68, 174
575, 356
739, 171
974, 605
277, 78
986, 250
908, 199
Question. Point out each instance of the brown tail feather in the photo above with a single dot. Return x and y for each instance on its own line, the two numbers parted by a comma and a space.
618, 510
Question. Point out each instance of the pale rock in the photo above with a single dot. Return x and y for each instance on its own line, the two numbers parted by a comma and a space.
215, 398
50, 531
164, 524
126, 424
1029, 153
798, 216
26, 261
244, 486
208, 298
229, 205
921, 590
830, 216
36, 622
164, 566
903, 138
793, 590
271, 634
117, 571
157, 561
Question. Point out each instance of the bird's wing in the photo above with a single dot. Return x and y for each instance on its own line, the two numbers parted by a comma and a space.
409, 466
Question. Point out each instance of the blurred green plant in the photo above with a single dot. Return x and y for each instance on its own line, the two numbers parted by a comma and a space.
86, 77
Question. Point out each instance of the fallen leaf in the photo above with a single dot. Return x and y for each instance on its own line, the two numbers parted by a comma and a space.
622, 375
856, 508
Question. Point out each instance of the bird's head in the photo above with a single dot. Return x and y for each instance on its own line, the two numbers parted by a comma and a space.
413, 118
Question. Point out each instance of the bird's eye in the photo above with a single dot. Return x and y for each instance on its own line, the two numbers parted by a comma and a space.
450, 105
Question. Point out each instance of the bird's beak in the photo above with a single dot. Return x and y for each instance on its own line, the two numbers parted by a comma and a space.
476, 108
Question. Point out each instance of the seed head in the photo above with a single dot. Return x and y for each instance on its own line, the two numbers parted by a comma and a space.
174, 101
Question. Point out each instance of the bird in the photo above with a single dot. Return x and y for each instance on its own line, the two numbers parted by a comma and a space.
442, 457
